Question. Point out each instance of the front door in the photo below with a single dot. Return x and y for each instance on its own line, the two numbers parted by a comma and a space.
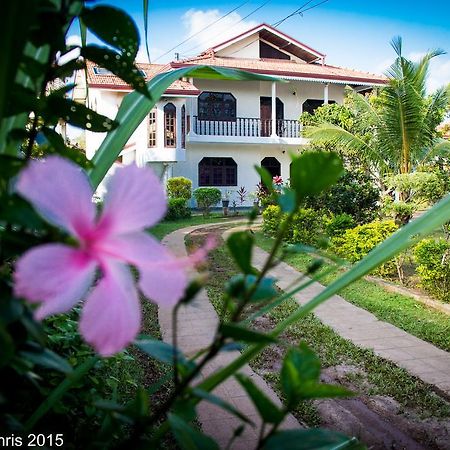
266, 115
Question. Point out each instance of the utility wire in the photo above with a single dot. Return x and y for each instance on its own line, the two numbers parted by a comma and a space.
203, 29
298, 11
232, 26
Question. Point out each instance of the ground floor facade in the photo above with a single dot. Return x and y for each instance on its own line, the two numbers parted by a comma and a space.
229, 167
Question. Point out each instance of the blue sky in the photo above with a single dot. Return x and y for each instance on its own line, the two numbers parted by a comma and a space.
351, 33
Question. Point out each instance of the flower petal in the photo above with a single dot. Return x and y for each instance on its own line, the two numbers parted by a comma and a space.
163, 277
134, 200
60, 192
54, 274
111, 316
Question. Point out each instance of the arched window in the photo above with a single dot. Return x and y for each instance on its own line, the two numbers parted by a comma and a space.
170, 125
311, 105
152, 128
216, 106
272, 165
183, 127
217, 172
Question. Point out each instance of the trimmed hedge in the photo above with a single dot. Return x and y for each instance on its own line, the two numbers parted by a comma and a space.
207, 197
357, 242
305, 228
177, 209
433, 267
179, 187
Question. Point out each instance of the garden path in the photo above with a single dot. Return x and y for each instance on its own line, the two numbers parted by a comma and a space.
197, 323
420, 358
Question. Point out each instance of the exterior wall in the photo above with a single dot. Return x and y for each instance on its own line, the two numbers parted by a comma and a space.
245, 157
292, 94
246, 48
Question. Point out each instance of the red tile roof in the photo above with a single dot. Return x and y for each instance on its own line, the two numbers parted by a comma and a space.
286, 68
110, 81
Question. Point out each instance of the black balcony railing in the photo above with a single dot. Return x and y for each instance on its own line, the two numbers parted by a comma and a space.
246, 127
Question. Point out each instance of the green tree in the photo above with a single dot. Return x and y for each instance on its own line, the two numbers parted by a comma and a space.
397, 129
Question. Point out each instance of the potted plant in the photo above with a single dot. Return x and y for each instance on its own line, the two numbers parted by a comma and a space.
226, 198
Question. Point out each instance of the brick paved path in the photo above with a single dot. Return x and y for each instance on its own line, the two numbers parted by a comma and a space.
420, 358
196, 325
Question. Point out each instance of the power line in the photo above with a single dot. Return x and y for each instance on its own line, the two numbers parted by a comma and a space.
232, 26
299, 12
203, 29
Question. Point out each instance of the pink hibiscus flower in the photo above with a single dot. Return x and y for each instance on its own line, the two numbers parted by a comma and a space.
277, 180
58, 276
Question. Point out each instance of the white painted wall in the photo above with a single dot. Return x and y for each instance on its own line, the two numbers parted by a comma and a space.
245, 157
247, 48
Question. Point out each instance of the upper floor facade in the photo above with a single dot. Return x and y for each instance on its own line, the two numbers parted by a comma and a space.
203, 112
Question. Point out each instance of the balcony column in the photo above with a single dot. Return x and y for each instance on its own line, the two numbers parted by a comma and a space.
325, 94
274, 109
178, 126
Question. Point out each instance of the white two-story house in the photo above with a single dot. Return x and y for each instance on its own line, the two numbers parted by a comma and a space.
215, 131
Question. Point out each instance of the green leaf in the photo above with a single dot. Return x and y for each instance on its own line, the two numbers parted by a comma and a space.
134, 108
58, 145
266, 178
313, 172
59, 391
189, 438
22, 100
113, 26
240, 245
313, 439
300, 366
267, 409
240, 333
162, 351
287, 200
266, 288
6, 346
48, 359
211, 398
118, 64
10, 166
145, 8
240, 286
76, 114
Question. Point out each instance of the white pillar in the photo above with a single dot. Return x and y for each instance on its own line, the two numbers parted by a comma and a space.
178, 126
325, 94
274, 109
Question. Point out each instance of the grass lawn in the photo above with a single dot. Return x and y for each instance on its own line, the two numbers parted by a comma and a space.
374, 376
402, 311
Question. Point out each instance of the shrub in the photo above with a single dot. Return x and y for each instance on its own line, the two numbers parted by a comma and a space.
177, 209
336, 225
353, 194
179, 187
305, 227
272, 217
433, 267
357, 242
207, 197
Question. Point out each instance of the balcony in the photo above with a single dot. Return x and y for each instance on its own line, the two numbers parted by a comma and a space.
248, 130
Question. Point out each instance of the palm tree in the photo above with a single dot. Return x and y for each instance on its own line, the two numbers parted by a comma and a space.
399, 124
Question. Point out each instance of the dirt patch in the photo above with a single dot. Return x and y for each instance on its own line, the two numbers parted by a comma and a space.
377, 420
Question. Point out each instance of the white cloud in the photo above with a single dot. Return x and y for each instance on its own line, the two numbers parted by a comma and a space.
439, 71
195, 20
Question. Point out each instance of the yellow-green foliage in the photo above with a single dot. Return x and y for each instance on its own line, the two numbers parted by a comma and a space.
357, 242
433, 267
179, 187
305, 227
